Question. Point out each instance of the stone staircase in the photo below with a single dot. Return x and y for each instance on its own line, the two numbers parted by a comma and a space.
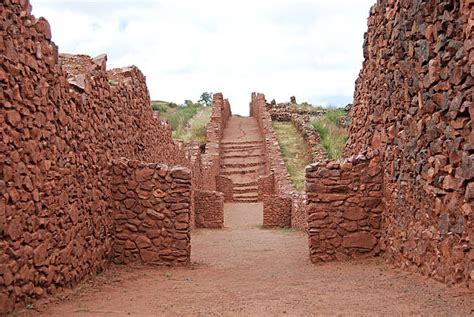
242, 157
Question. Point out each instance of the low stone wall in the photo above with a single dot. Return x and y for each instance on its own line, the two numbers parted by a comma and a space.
299, 211
152, 213
266, 185
209, 209
273, 159
225, 186
277, 180
345, 206
276, 211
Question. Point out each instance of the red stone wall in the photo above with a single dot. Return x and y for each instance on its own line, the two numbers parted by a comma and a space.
215, 130
276, 211
414, 102
63, 121
344, 208
277, 180
266, 185
273, 158
152, 207
209, 209
208, 175
299, 211
225, 186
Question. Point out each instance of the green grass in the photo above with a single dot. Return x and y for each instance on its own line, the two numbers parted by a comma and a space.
188, 122
197, 126
333, 137
294, 150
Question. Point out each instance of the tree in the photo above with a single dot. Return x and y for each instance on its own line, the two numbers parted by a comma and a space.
206, 98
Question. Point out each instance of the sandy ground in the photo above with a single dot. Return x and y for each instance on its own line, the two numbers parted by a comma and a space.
244, 270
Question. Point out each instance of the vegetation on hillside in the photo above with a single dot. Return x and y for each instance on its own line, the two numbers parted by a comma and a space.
188, 121
294, 150
333, 135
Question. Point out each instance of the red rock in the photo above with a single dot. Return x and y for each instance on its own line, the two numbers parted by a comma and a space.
13, 117
42, 26
148, 256
363, 240
143, 174
181, 173
14, 229
155, 215
130, 245
451, 183
354, 213
41, 255
143, 242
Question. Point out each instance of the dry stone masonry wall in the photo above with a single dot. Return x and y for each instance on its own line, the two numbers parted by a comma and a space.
151, 213
344, 208
209, 209
64, 119
211, 188
414, 106
414, 102
277, 181
276, 211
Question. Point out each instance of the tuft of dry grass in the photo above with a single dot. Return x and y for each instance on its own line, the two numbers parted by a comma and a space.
333, 137
294, 150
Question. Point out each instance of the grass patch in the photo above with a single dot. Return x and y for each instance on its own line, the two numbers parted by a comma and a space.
188, 121
197, 126
294, 150
333, 136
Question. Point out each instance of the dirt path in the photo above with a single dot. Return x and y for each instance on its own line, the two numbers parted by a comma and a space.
245, 270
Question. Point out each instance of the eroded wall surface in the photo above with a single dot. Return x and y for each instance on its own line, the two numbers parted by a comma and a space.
64, 119
414, 103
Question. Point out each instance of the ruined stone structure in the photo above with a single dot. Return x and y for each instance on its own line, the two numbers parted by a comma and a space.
151, 213
89, 176
414, 106
276, 180
79, 180
344, 207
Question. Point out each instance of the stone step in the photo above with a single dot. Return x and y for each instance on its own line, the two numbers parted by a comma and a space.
239, 170
226, 153
246, 200
240, 156
225, 143
245, 184
241, 165
248, 197
245, 190
241, 147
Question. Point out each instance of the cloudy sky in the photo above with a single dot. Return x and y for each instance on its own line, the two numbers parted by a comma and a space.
308, 48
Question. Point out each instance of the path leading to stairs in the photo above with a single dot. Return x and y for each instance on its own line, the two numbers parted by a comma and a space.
244, 270
242, 157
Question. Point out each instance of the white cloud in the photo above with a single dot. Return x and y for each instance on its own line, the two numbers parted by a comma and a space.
310, 49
